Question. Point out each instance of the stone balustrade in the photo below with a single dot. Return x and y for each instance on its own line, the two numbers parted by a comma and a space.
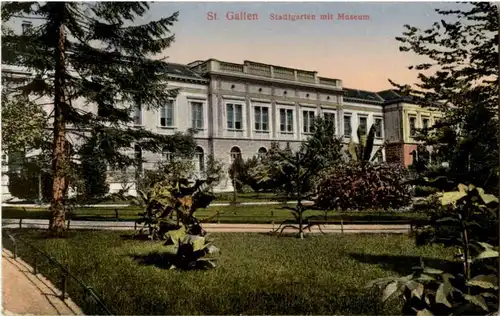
265, 70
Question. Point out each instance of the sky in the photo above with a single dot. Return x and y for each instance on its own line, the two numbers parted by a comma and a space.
362, 53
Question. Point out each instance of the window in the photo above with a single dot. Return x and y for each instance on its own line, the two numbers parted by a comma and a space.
329, 116
425, 123
308, 121
137, 115
167, 115
286, 120
413, 122
166, 154
262, 152
235, 153
261, 118
378, 128
363, 124
138, 158
200, 159
197, 115
26, 26
347, 126
234, 116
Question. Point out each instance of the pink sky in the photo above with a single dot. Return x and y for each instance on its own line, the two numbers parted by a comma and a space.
363, 54
363, 65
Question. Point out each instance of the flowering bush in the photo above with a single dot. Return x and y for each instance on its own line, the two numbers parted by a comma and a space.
356, 186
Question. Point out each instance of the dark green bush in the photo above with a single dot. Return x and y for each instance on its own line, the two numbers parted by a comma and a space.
422, 191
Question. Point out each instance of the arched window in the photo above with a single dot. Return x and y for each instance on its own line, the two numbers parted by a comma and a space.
262, 152
235, 152
200, 159
166, 154
138, 157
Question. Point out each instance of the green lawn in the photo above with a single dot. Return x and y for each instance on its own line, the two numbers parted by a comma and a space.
257, 274
224, 197
227, 214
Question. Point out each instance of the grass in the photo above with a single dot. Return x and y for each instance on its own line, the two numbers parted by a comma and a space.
223, 197
257, 274
227, 214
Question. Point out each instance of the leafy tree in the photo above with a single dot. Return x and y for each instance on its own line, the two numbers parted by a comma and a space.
96, 54
293, 174
23, 125
460, 78
214, 169
170, 170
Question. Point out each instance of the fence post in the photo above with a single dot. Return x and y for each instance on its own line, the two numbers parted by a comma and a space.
64, 283
15, 247
69, 222
272, 216
20, 223
35, 266
342, 226
116, 213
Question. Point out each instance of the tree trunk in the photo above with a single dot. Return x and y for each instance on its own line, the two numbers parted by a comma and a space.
59, 145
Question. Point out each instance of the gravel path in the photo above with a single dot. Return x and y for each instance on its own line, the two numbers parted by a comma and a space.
24, 293
127, 205
215, 228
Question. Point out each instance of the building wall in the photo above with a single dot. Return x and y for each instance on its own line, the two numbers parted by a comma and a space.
276, 88
393, 123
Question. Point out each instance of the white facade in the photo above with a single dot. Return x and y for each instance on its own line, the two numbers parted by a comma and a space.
248, 106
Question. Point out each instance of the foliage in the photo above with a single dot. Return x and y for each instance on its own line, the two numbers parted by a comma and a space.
167, 199
93, 170
248, 167
191, 250
292, 175
469, 222
460, 78
171, 170
23, 124
237, 172
86, 56
473, 210
24, 183
362, 152
214, 169
353, 186
424, 191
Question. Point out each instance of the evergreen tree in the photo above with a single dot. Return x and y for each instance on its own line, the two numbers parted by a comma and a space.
95, 53
460, 79
93, 169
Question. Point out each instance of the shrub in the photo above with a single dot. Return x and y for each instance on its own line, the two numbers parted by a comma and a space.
165, 200
423, 191
362, 186
190, 251
466, 219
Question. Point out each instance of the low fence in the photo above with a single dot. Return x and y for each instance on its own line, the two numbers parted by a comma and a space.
333, 226
66, 275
